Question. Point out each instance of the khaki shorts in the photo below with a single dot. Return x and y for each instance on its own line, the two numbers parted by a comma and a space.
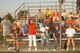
6, 32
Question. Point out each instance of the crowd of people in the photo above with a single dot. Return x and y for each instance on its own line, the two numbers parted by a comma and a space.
48, 22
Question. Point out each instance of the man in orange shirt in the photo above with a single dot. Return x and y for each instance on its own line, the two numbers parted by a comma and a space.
32, 34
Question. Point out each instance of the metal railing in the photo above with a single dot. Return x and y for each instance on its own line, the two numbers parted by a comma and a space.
33, 7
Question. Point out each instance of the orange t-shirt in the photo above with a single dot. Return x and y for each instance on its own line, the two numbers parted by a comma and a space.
71, 22
31, 29
56, 14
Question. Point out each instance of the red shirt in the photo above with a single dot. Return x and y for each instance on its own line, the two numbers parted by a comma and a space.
31, 29
71, 22
55, 14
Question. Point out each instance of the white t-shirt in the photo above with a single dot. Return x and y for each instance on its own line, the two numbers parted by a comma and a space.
42, 29
70, 32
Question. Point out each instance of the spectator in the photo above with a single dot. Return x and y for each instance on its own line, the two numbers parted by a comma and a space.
24, 26
76, 15
71, 21
47, 13
32, 34
78, 23
16, 33
70, 36
5, 23
56, 16
70, 15
64, 14
44, 35
78, 6
18, 22
63, 23
40, 23
39, 15
56, 36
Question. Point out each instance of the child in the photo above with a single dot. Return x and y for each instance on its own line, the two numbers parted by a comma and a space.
70, 36
16, 33
32, 34
56, 36
44, 35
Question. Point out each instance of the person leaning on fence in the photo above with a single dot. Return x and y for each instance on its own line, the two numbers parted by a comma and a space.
5, 25
56, 36
70, 36
16, 34
32, 35
44, 36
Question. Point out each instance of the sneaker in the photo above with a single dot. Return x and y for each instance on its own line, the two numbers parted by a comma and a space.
67, 48
9, 48
3, 45
29, 49
17, 50
54, 49
73, 48
35, 49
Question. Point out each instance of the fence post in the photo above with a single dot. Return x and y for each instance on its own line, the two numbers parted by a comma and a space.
60, 23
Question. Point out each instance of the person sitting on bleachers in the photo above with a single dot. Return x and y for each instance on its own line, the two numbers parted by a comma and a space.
64, 14
47, 13
70, 15
71, 21
78, 23
56, 16
47, 16
24, 26
39, 15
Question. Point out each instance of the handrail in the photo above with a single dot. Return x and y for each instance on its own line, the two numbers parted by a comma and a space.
41, 5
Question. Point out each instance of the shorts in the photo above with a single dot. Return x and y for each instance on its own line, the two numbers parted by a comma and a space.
6, 32
18, 37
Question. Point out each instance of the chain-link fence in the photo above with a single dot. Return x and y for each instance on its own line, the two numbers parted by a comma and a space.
30, 9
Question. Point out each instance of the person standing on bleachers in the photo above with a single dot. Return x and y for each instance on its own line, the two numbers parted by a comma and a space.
56, 16
5, 24
32, 35
70, 36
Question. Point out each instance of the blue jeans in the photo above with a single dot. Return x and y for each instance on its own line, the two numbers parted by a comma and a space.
46, 35
24, 30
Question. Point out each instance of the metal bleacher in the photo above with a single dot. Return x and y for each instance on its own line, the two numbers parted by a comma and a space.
33, 8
